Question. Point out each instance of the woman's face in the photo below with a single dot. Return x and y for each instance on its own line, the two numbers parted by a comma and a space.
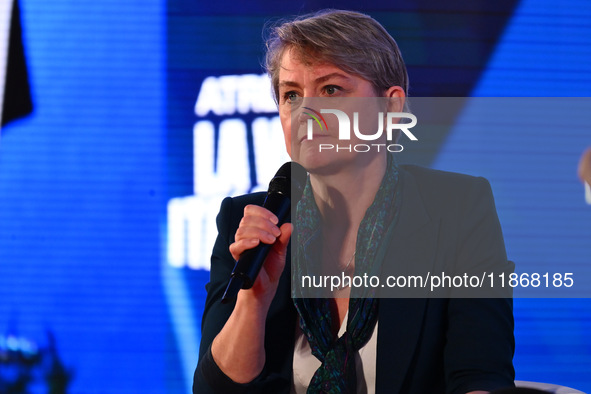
305, 88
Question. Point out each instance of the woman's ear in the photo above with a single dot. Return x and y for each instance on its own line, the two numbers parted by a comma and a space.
396, 98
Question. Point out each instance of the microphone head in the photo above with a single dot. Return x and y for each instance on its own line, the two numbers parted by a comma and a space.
289, 180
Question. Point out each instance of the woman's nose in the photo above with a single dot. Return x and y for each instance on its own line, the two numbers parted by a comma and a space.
301, 116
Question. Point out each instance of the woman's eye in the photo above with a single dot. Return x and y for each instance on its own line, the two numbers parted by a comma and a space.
331, 89
290, 97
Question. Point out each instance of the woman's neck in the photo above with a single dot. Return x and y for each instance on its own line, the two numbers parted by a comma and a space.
343, 198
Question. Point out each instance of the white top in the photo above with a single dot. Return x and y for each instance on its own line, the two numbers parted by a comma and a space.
305, 363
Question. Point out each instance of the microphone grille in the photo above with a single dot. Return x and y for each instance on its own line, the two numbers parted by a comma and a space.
289, 180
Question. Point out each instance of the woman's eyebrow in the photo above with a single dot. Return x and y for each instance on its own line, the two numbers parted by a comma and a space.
319, 80
289, 83
337, 75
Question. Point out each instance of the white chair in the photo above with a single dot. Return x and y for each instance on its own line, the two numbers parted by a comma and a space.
551, 388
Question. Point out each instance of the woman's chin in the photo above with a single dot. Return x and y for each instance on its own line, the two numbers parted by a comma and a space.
325, 163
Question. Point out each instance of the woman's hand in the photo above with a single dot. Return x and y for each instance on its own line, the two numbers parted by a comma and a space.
260, 225
239, 348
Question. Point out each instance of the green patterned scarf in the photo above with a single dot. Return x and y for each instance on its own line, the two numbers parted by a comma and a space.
337, 374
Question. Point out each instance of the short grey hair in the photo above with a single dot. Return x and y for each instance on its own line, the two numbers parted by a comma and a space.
352, 41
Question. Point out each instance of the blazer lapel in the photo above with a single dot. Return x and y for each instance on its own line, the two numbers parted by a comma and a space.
413, 243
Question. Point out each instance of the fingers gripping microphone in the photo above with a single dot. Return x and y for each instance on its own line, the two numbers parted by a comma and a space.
286, 186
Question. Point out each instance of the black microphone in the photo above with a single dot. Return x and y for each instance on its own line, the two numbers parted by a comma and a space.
286, 186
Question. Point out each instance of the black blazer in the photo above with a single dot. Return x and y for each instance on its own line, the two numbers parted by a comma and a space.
424, 345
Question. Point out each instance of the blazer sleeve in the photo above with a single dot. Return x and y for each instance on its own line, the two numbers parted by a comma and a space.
479, 340
208, 378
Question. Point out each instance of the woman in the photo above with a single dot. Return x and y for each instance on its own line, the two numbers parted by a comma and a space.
359, 213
